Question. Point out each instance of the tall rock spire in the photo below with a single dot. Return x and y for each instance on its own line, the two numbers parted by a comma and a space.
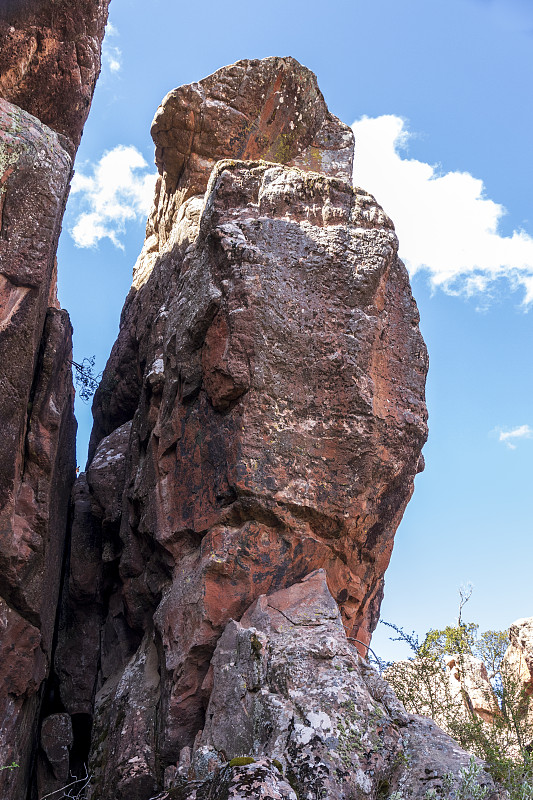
264, 398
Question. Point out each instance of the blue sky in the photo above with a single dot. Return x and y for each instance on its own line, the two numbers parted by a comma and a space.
440, 94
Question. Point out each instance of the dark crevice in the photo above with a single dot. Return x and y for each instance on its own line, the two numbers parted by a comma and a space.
79, 755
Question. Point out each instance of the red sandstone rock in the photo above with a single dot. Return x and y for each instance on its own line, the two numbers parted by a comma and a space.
270, 109
273, 367
50, 59
56, 739
33, 519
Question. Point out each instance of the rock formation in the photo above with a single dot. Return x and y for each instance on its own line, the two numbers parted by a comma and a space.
313, 718
49, 61
518, 667
257, 433
261, 415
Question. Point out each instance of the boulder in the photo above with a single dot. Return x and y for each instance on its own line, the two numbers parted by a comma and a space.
50, 59
517, 669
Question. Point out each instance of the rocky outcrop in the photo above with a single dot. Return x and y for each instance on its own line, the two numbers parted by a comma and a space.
454, 688
270, 109
37, 447
519, 654
50, 59
47, 74
470, 687
261, 415
296, 711
517, 667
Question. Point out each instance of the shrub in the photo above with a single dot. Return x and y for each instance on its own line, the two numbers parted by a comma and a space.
460, 678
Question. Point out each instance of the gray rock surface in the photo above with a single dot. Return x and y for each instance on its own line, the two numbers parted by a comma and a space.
291, 693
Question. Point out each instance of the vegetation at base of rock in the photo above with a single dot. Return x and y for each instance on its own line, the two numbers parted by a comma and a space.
504, 740
9, 766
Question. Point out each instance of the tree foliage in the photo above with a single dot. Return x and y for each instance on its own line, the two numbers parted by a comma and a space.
85, 378
446, 679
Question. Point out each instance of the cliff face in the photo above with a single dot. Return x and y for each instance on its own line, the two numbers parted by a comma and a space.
261, 415
50, 59
37, 446
314, 719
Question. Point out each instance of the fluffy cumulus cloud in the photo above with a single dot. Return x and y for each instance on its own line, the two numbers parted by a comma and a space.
445, 223
119, 190
514, 435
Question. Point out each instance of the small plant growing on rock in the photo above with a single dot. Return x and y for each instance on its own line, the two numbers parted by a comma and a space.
465, 786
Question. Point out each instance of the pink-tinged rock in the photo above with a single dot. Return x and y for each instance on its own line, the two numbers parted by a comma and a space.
80, 619
270, 109
295, 700
34, 523
521, 641
50, 59
517, 670
273, 367
107, 473
37, 446
125, 725
22, 670
91, 570
53, 759
35, 170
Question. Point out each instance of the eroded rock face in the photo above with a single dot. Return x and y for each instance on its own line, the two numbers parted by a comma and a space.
517, 666
309, 715
49, 60
270, 362
36, 473
270, 109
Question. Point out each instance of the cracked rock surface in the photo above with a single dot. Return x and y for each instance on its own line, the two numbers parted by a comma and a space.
261, 415
313, 718
49, 62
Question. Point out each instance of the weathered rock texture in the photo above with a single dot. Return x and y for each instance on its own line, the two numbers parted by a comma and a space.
48, 65
456, 688
270, 109
313, 718
518, 667
261, 415
50, 59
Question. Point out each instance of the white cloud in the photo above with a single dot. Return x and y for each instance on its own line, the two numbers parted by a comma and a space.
111, 54
118, 191
445, 223
522, 432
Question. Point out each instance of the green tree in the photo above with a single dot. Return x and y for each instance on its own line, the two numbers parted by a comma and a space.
444, 680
